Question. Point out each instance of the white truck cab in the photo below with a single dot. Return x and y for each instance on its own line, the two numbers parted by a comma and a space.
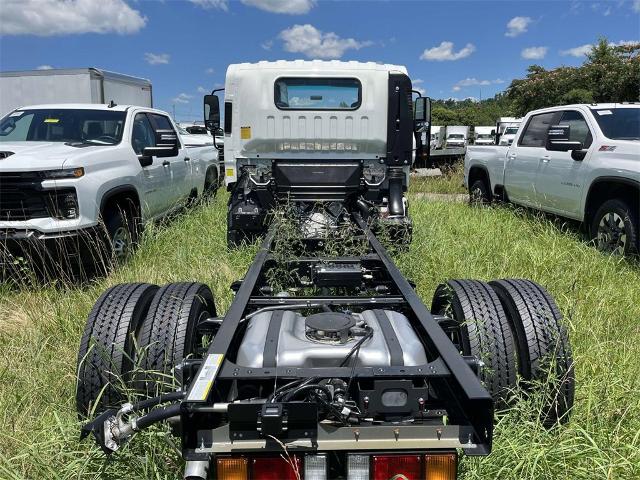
484, 135
67, 170
578, 161
315, 131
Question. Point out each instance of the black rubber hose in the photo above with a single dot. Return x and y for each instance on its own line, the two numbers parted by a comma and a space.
368, 335
152, 402
304, 388
396, 205
157, 415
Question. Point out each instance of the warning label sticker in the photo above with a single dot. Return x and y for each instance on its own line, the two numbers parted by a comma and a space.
204, 382
245, 133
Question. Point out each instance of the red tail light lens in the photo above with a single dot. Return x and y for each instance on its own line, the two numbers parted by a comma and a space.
276, 468
386, 467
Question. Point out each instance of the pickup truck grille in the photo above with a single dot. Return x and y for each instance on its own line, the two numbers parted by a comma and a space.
22, 197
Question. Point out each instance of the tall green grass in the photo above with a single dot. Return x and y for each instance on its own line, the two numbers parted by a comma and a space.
40, 330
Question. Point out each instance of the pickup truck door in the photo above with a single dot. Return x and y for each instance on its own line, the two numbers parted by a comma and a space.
523, 159
181, 178
155, 178
560, 178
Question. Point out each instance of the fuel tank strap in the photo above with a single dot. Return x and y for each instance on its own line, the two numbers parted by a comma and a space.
390, 337
271, 342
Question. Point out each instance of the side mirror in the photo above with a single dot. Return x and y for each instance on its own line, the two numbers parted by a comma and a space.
422, 110
558, 139
145, 160
212, 112
493, 132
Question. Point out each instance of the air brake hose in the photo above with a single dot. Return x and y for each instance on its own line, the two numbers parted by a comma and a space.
157, 415
152, 402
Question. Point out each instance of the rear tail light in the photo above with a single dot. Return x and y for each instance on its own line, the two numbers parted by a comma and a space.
358, 467
276, 468
441, 466
405, 467
232, 468
315, 467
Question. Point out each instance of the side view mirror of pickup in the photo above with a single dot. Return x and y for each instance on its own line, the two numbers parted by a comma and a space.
212, 112
558, 139
166, 146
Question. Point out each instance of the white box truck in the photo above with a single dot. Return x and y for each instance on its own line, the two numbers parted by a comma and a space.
506, 129
457, 136
484, 135
437, 137
80, 85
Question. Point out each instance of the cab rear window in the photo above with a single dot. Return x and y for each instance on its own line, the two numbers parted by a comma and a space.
318, 93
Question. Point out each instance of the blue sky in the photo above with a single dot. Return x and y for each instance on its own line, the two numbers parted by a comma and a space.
456, 48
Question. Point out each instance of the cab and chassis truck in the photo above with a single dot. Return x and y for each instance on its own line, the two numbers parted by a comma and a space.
343, 372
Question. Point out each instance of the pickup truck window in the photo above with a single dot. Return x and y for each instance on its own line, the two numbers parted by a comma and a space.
535, 133
74, 126
318, 93
142, 135
579, 131
619, 123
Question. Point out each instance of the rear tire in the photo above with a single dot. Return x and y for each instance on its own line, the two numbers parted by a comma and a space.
481, 330
107, 349
542, 344
479, 193
169, 334
614, 228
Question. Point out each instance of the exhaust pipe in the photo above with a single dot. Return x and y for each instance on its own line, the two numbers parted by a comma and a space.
396, 200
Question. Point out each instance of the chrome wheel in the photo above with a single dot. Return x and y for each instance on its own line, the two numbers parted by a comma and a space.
612, 234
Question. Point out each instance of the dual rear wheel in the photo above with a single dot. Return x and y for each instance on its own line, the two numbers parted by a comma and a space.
515, 329
135, 335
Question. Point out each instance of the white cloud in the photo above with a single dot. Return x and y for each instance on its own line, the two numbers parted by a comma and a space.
209, 4
289, 7
182, 98
267, 45
517, 26
534, 53
444, 52
580, 51
202, 90
472, 82
64, 17
636, 6
45, 67
209, 71
314, 43
624, 42
157, 58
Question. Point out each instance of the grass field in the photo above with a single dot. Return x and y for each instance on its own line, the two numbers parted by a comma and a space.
40, 330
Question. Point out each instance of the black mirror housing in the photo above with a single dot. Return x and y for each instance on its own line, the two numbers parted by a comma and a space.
212, 112
145, 160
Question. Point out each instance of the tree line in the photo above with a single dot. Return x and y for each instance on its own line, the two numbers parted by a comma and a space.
610, 73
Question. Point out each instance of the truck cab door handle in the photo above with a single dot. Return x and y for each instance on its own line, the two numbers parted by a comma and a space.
187, 159
511, 156
166, 163
545, 159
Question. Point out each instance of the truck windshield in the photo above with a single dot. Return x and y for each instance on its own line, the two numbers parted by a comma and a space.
485, 136
456, 135
619, 123
318, 93
511, 131
81, 127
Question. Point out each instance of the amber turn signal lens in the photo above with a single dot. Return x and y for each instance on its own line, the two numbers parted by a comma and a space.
232, 468
440, 466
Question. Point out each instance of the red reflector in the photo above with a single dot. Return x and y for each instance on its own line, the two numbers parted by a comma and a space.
275, 468
397, 467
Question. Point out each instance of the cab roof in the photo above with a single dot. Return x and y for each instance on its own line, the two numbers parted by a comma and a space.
319, 65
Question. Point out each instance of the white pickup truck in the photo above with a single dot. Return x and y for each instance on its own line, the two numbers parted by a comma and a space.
577, 161
67, 170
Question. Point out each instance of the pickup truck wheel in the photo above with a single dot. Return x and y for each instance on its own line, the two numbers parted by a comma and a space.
479, 193
544, 356
121, 233
211, 183
614, 228
480, 329
106, 354
169, 333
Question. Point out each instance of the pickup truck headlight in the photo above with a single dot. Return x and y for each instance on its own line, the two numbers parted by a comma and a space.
62, 173
63, 203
